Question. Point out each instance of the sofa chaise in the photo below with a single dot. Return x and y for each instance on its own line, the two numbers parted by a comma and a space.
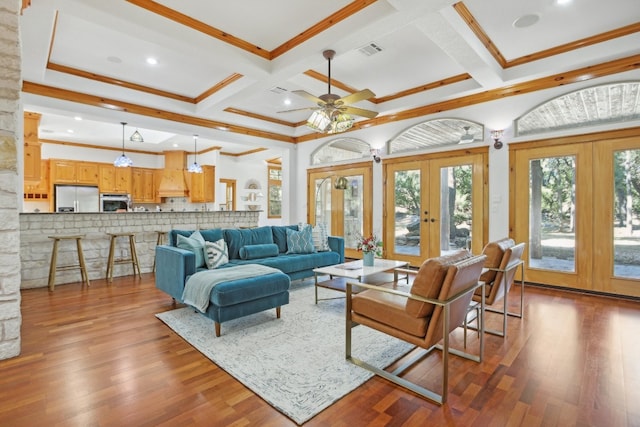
274, 247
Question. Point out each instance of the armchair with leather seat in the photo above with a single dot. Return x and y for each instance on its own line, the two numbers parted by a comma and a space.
436, 304
503, 259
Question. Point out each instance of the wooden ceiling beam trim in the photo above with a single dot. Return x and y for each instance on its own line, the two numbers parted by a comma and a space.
244, 153
53, 36
219, 86
259, 117
567, 47
25, 4
466, 15
423, 88
582, 74
342, 14
200, 26
102, 102
471, 22
334, 83
206, 150
93, 146
109, 80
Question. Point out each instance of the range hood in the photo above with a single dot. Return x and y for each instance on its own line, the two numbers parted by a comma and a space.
174, 175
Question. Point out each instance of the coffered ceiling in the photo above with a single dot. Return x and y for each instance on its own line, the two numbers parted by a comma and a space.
225, 70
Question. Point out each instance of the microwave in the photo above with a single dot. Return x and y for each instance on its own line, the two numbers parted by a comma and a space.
115, 202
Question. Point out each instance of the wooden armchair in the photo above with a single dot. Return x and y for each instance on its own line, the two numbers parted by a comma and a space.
436, 305
503, 259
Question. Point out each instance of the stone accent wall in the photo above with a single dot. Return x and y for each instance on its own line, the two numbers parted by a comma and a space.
10, 317
35, 246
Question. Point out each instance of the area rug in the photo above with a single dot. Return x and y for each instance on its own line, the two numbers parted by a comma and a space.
295, 363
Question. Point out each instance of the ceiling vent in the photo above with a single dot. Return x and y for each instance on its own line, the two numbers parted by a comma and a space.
278, 89
370, 49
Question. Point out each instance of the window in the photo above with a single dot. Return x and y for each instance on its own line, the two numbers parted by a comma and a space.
274, 208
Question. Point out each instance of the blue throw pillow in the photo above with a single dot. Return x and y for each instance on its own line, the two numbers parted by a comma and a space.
195, 244
258, 251
300, 242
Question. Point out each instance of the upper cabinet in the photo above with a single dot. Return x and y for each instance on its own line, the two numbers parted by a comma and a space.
203, 185
142, 185
73, 172
32, 166
115, 180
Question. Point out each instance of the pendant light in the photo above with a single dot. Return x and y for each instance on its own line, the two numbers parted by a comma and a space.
136, 137
195, 167
123, 161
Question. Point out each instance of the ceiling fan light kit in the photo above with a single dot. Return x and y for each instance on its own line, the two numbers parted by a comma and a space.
334, 114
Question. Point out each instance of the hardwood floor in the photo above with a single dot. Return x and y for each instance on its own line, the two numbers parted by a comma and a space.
99, 357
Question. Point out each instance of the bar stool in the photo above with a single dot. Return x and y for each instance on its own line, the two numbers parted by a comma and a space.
53, 267
159, 241
133, 256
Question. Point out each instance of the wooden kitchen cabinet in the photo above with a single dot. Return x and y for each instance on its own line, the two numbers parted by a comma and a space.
87, 173
203, 185
32, 149
114, 180
39, 190
73, 172
142, 185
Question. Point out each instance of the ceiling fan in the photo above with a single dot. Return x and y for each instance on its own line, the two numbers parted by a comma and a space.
333, 113
466, 137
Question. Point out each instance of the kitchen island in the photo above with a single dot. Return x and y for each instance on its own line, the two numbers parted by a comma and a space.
35, 246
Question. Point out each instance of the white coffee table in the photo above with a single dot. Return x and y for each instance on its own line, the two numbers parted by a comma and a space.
354, 270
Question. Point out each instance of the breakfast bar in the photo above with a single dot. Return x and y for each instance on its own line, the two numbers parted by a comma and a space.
36, 246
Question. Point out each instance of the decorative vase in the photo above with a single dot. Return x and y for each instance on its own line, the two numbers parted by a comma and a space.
367, 259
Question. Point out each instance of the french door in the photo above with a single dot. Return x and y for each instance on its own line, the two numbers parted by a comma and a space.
341, 199
433, 206
577, 207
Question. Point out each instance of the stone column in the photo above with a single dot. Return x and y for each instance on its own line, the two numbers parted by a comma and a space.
10, 81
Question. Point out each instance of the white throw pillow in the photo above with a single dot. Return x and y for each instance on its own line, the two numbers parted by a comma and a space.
320, 240
217, 254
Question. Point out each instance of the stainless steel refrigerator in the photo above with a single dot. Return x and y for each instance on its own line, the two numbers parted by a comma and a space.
77, 198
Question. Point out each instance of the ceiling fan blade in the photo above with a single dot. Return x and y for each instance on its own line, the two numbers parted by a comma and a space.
356, 97
310, 97
298, 109
359, 112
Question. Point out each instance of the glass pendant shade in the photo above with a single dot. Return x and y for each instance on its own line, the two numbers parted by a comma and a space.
324, 121
319, 121
195, 167
136, 137
123, 161
340, 122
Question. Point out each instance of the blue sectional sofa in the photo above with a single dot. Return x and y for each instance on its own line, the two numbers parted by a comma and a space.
262, 245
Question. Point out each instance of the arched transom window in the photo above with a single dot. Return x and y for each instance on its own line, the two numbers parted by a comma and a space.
340, 149
436, 133
609, 103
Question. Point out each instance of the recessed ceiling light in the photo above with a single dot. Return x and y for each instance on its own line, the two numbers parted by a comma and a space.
526, 20
152, 61
78, 118
69, 130
175, 145
563, 2
287, 101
